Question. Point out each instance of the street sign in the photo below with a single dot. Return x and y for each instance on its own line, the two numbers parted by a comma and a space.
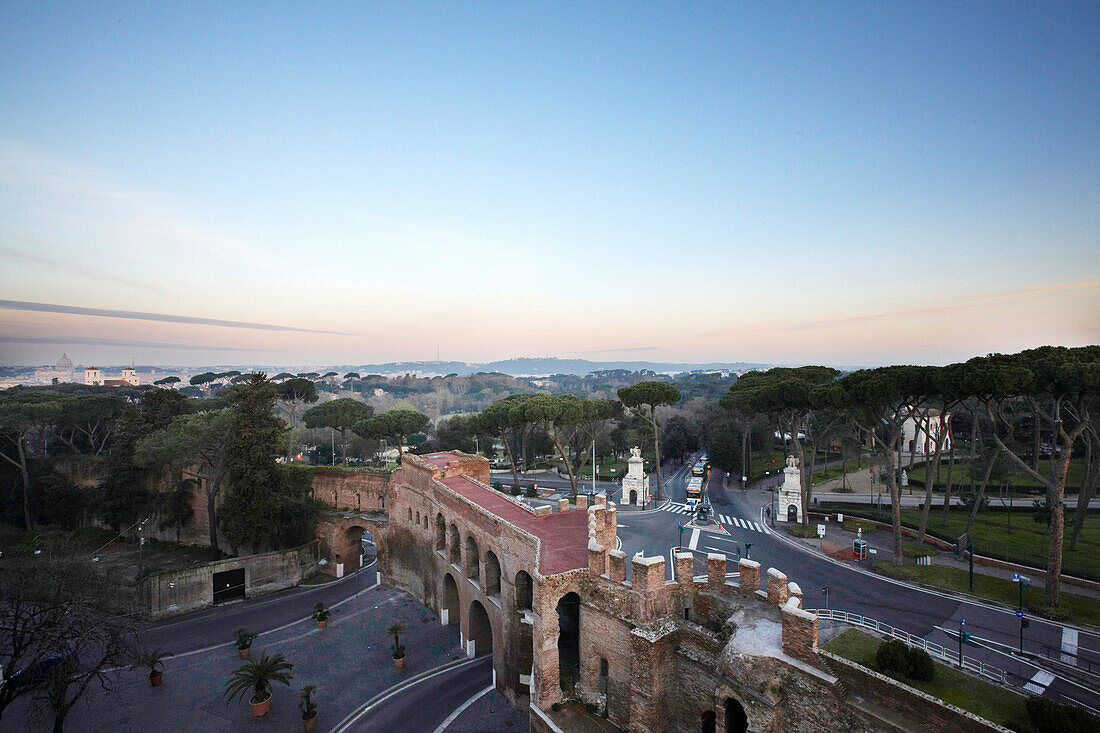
821, 530
1019, 614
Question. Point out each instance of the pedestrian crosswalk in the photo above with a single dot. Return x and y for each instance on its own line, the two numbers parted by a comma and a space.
727, 520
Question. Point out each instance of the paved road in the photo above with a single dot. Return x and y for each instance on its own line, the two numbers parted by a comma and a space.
425, 704
927, 614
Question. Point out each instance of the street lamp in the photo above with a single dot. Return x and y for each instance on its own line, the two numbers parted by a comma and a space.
680, 542
825, 592
1022, 583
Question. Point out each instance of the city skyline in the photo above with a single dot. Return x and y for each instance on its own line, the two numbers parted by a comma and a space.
849, 184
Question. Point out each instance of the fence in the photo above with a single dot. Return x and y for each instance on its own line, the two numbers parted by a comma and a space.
935, 650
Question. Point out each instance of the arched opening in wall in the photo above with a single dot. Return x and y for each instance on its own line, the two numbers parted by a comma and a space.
440, 532
792, 513
736, 719
633, 497
605, 676
451, 603
481, 630
356, 550
525, 591
569, 641
456, 546
492, 574
473, 560
708, 722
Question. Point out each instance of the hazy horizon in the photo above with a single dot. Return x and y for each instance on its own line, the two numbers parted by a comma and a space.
781, 183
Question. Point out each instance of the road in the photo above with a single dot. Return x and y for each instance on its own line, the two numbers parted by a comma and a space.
929, 615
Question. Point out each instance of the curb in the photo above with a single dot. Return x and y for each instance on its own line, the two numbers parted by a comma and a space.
393, 690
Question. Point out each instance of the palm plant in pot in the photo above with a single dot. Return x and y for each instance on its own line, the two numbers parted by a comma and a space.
398, 648
244, 639
308, 707
256, 676
320, 614
152, 660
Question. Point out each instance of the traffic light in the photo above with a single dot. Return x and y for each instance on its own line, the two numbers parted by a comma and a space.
964, 636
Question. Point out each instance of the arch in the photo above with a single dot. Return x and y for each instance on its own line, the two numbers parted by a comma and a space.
456, 546
792, 513
569, 640
481, 630
633, 497
418, 518
736, 719
708, 721
452, 606
492, 574
355, 542
440, 532
473, 559
525, 591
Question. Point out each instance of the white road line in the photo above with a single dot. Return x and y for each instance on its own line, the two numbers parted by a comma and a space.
1069, 646
757, 527
461, 708
694, 539
741, 523
726, 519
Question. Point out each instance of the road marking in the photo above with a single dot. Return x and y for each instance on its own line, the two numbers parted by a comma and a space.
398, 688
723, 539
1039, 683
757, 527
1069, 646
694, 539
461, 708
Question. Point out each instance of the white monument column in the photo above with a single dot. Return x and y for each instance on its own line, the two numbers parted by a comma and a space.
790, 493
634, 483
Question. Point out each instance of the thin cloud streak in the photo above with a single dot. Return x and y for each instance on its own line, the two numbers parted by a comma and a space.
624, 350
163, 317
81, 341
912, 312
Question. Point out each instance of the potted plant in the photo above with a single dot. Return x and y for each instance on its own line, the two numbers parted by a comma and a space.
244, 641
398, 648
320, 614
308, 708
256, 675
152, 660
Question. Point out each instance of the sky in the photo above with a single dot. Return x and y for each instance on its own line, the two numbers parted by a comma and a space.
328, 183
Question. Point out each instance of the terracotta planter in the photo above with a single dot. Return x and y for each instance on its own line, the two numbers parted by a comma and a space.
322, 624
243, 653
399, 662
259, 709
308, 723
155, 678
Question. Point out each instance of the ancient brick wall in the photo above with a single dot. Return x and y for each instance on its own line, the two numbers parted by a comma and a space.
354, 490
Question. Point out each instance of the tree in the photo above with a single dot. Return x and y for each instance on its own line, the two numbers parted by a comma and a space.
790, 397
256, 676
555, 415
159, 407
945, 396
1058, 385
188, 440
124, 495
651, 395
52, 618
505, 419
295, 392
351, 375
20, 415
339, 415
879, 401
176, 509
595, 416
394, 425
167, 381
85, 423
266, 506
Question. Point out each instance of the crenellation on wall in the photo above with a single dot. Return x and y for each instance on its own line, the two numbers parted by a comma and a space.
749, 577
777, 587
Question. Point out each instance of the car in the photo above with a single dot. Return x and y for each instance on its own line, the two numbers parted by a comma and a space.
37, 670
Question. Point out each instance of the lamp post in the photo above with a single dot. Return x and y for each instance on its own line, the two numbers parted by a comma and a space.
825, 592
680, 542
1021, 583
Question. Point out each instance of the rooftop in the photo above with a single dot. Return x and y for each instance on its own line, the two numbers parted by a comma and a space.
563, 535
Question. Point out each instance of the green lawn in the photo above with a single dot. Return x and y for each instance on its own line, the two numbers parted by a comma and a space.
1025, 541
949, 684
1072, 607
1022, 482
833, 472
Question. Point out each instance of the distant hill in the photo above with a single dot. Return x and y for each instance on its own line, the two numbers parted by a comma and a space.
547, 366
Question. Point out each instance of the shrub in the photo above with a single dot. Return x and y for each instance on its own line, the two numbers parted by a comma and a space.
892, 657
921, 666
799, 530
532, 492
498, 486
1049, 717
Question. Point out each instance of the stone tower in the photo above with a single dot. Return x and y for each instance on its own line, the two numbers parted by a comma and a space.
790, 493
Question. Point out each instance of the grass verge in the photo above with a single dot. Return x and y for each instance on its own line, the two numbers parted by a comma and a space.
1072, 607
949, 684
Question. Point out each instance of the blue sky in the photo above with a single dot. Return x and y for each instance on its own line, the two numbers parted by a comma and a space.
848, 183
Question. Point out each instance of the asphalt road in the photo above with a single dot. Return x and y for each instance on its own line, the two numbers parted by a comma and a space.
425, 704
926, 614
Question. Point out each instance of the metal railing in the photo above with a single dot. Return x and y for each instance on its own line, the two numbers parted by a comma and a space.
951, 656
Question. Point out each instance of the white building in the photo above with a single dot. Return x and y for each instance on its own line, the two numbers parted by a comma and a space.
94, 376
920, 431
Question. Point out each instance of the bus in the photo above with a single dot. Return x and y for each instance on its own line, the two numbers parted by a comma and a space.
700, 469
694, 491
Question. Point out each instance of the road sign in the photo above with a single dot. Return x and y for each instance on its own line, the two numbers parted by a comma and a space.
821, 530
1019, 614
